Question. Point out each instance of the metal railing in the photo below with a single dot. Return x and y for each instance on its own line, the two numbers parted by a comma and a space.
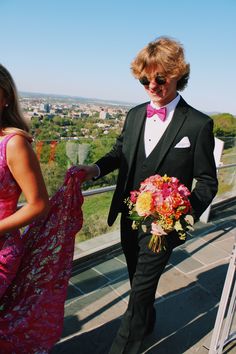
112, 188
225, 166
217, 200
222, 332
94, 191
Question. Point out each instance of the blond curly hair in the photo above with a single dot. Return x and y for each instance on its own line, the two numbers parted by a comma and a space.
166, 53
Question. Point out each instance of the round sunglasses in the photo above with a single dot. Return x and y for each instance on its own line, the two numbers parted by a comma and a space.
160, 80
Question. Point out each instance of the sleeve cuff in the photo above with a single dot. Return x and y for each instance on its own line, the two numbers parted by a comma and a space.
98, 173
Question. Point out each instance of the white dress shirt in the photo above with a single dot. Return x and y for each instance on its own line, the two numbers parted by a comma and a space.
155, 127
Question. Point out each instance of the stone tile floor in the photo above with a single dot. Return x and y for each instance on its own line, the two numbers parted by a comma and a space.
187, 297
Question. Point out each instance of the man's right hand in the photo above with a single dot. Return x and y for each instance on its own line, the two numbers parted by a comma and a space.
92, 171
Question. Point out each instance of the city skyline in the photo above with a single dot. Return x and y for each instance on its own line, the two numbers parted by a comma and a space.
84, 49
67, 99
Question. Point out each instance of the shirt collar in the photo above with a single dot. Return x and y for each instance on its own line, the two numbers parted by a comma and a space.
170, 106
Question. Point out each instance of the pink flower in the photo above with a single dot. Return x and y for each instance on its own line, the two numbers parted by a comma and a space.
133, 196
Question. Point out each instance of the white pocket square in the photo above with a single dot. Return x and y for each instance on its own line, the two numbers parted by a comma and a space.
183, 143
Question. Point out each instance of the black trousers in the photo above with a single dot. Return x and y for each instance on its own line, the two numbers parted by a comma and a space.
145, 268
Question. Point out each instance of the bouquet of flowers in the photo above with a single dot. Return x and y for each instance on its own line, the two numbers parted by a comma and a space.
162, 204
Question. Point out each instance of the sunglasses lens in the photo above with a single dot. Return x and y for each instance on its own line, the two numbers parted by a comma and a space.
160, 80
144, 81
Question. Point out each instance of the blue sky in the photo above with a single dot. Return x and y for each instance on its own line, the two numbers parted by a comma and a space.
84, 48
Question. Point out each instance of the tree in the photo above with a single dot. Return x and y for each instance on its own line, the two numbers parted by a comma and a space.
224, 124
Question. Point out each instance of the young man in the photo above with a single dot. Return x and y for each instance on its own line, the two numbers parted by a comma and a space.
163, 136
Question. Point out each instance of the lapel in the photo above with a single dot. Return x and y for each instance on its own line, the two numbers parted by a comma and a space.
168, 137
136, 128
166, 140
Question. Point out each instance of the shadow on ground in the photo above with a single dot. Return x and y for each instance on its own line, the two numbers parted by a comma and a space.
183, 319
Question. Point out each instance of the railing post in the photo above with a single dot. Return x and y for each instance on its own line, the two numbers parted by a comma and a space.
221, 333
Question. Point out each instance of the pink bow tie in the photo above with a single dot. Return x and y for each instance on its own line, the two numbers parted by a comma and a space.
161, 112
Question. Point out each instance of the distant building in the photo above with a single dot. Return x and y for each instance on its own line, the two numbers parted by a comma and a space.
47, 107
58, 110
103, 114
41, 107
84, 115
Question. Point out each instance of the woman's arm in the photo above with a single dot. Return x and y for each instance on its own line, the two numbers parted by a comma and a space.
25, 168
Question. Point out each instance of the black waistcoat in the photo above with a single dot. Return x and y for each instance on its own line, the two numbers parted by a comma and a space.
143, 167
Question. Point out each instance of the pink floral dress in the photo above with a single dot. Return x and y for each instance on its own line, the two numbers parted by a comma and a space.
35, 267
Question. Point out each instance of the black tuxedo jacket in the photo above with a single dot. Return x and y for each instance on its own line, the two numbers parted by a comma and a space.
187, 163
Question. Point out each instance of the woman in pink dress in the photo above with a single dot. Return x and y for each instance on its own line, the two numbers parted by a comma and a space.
34, 266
